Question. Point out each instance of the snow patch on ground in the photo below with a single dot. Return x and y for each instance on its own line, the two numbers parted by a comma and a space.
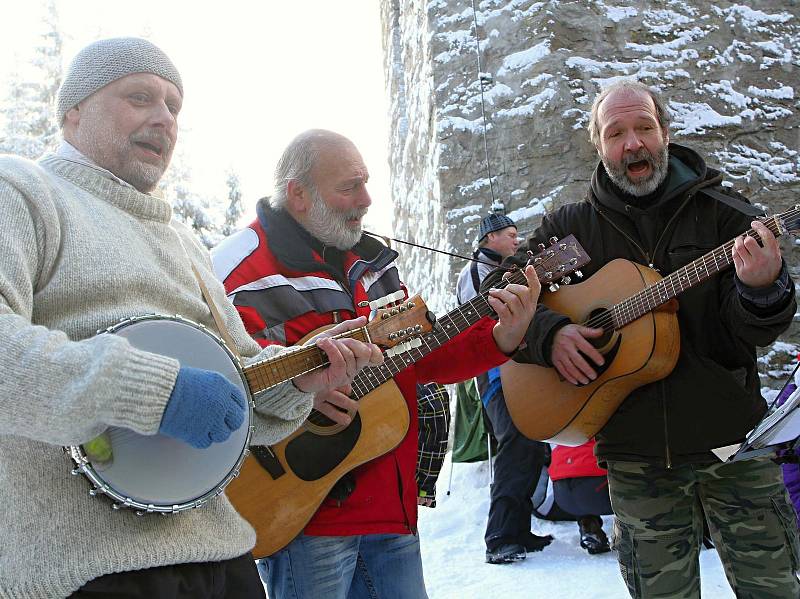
451, 536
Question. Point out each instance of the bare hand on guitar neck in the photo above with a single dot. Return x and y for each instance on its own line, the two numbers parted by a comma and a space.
515, 305
757, 265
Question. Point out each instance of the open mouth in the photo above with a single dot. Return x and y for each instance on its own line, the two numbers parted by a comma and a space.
639, 167
150, 147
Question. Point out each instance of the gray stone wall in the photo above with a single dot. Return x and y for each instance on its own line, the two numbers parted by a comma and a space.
730, 74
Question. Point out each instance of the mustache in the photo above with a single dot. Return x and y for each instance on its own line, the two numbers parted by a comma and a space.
155, 137
637, 156
355, 213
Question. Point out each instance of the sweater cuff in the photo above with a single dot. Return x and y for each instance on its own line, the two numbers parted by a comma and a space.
143, 389
285, 402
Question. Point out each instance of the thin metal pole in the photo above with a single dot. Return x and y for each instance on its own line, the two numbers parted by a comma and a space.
483, 109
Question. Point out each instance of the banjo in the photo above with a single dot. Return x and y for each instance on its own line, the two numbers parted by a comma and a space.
157, 473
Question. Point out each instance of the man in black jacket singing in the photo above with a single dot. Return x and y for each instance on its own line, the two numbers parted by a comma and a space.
659, 205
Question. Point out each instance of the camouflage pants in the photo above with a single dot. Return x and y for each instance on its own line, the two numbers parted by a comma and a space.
658, 527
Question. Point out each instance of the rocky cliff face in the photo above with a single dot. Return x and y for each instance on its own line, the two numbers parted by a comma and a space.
729, 72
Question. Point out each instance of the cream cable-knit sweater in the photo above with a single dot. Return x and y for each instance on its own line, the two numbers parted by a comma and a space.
78, 253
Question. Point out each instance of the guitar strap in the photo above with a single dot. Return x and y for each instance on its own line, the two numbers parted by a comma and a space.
221, 328
734, 203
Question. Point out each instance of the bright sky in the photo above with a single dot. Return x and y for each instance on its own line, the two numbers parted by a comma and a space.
255, 74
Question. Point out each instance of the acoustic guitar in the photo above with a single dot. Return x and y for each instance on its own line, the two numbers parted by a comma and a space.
634, 306
157, 473
280, 487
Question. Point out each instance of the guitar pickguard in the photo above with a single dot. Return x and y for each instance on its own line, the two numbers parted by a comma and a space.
312, 456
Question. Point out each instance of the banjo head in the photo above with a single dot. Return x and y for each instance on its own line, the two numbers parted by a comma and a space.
157, 473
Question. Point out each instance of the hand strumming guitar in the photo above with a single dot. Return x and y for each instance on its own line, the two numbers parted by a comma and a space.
570, 345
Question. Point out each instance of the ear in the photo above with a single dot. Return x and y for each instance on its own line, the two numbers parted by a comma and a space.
70, 123
297, 196
666, 135
73, 116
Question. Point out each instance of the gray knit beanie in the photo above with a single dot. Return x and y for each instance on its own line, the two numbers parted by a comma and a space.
104, 61
494, 222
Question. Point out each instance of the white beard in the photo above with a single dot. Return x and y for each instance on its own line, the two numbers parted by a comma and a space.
330, 226
617, 172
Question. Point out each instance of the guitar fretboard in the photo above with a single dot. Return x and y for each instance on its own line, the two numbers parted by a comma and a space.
682, 279
447, 327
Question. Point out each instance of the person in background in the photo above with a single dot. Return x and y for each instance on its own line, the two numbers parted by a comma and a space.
84, 243
433, 415
519, 460
658, 203
305, 263
574, 487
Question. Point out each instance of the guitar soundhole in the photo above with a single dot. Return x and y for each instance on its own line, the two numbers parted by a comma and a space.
607, 344
601, 318
320, 419
312, 456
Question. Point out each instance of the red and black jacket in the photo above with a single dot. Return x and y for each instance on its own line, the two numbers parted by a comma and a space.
276, 276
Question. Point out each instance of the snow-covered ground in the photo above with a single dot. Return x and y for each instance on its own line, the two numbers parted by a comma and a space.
453, 553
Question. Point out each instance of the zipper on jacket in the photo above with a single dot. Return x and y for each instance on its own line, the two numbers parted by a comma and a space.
626, 236
667, 453
413, 529
647, 255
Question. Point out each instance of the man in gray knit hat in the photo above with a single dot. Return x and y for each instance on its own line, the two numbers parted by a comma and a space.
519, 460
82, 245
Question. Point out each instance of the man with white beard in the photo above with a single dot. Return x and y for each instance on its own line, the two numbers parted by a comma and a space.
658, 204
305, 263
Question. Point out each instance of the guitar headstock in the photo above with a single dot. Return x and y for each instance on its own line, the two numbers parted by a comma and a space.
400, 327
555, 264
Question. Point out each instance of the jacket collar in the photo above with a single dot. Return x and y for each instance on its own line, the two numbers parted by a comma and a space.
296, 248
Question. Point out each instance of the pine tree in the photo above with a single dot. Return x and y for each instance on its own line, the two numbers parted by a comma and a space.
189, 207
28, 114
235, 209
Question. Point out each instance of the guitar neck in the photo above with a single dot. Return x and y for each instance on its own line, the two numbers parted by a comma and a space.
286, 366
694, 273
447, 327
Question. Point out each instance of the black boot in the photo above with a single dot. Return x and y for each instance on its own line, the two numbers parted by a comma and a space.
505, 553
533, 542
593, 539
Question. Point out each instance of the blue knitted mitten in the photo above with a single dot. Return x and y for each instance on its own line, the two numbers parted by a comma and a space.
204, 408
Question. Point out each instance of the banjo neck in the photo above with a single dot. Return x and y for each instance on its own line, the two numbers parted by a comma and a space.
392, 328
292, 363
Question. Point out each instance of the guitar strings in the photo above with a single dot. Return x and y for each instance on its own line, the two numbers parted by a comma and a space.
650, 296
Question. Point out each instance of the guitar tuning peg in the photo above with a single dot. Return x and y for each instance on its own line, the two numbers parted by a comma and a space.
579, 274
566, 280
542, 247
554, 287
553, 240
